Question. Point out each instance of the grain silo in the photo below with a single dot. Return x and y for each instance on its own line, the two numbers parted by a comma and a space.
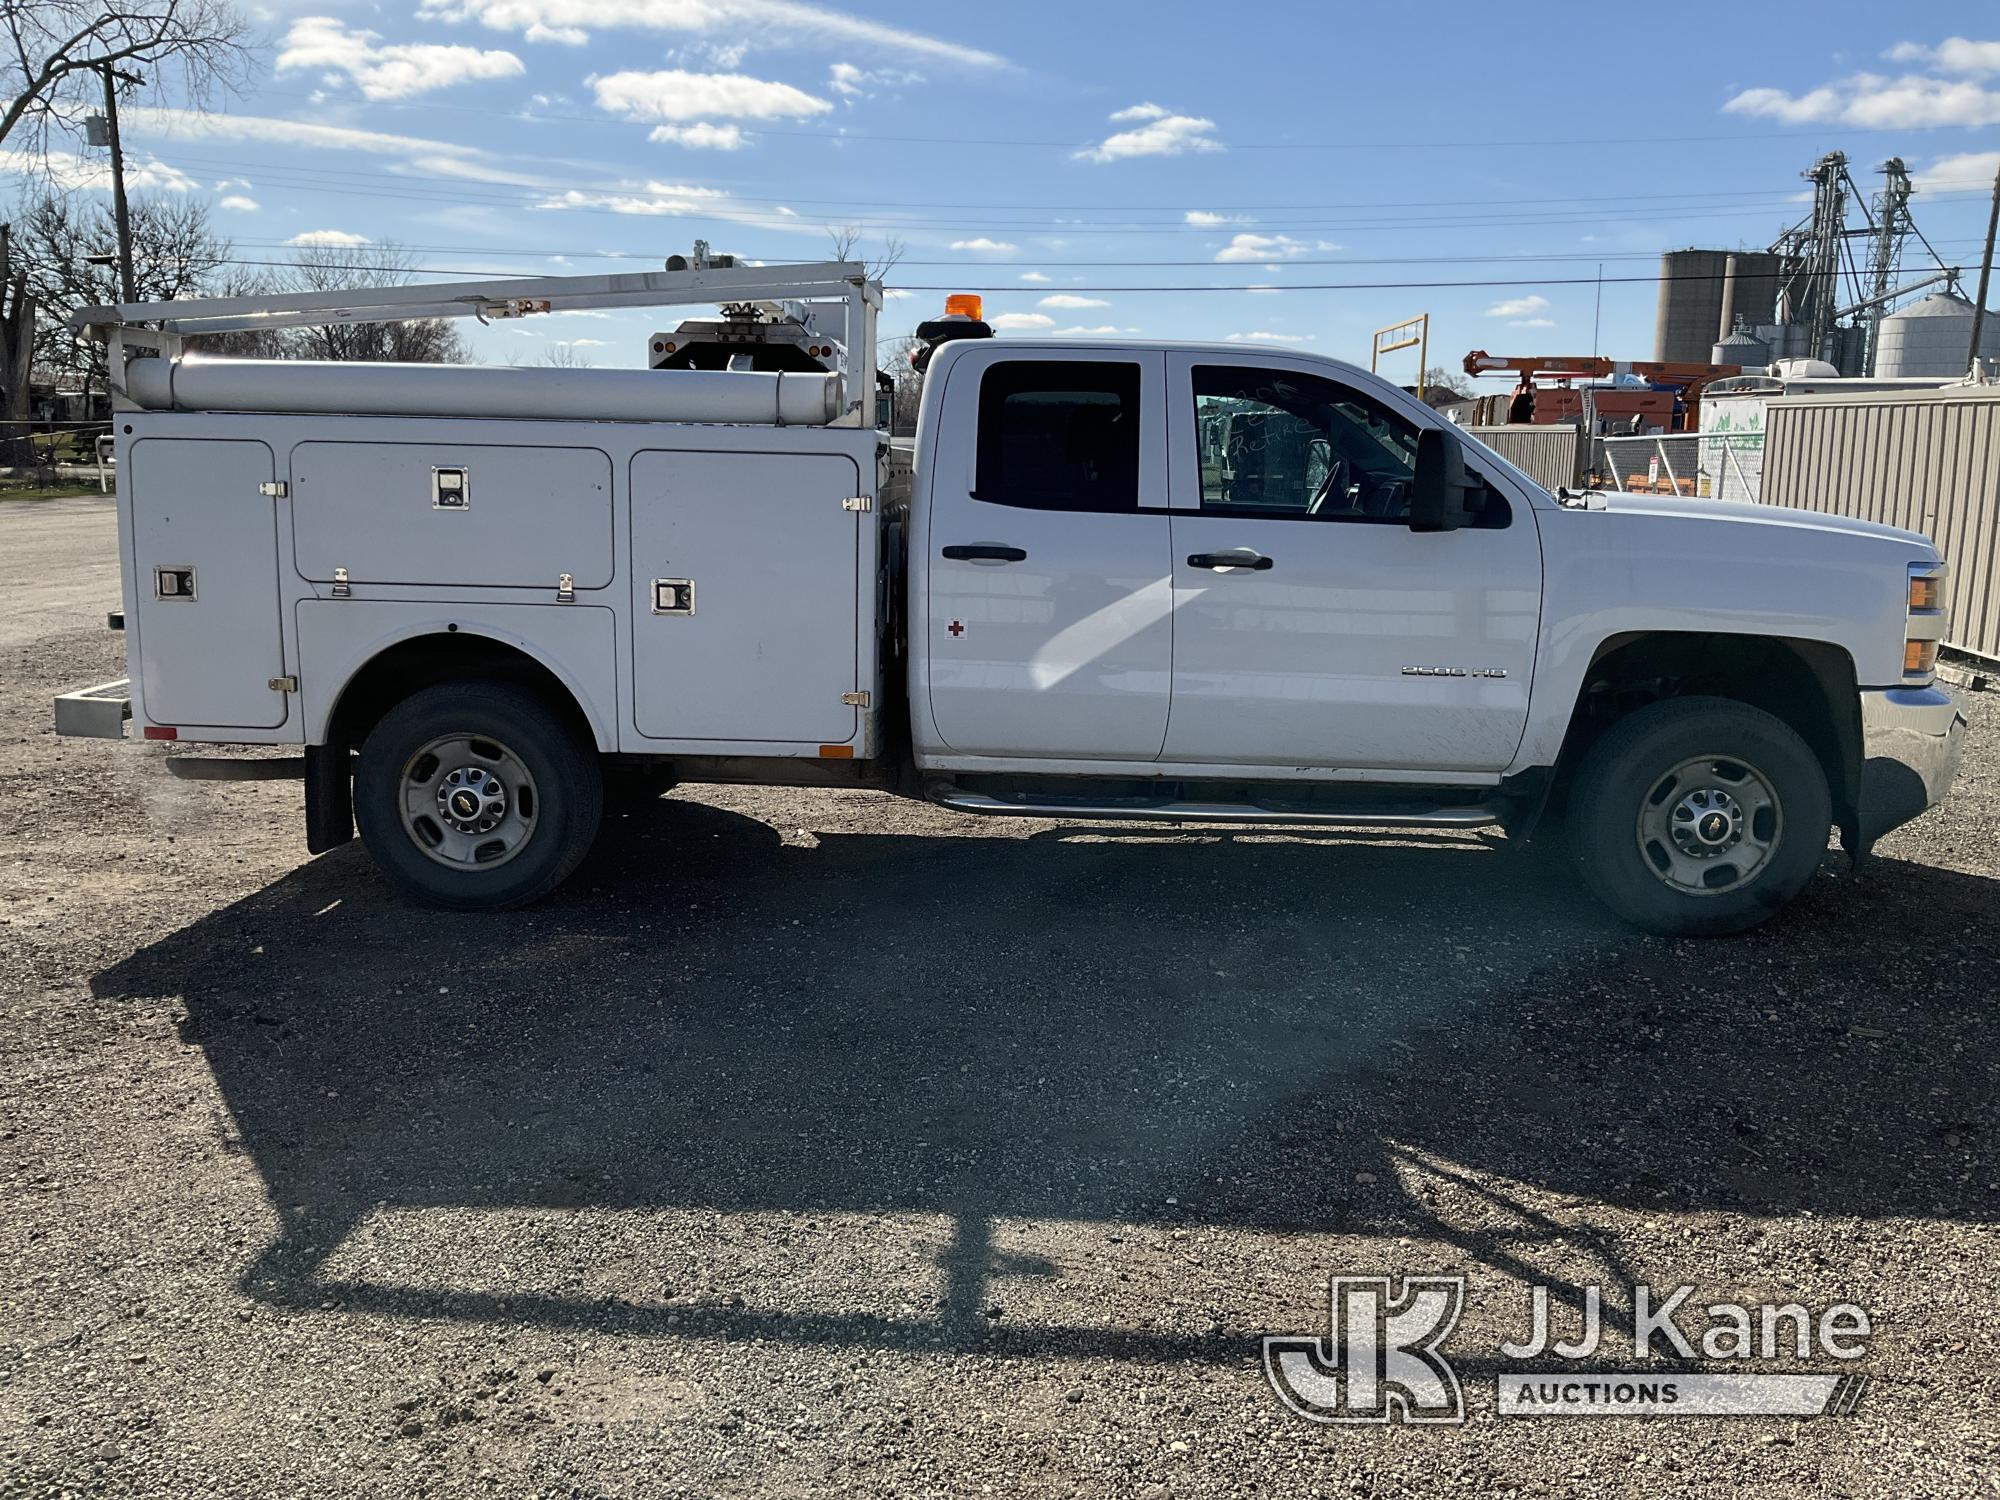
1704, 294
1933, 337
1742, 348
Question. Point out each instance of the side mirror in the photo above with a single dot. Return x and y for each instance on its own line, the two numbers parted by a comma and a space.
1439, 489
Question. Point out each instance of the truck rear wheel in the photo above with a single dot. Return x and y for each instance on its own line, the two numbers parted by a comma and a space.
1699, 816
476, 796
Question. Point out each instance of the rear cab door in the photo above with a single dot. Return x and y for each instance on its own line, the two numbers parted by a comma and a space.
1041, 612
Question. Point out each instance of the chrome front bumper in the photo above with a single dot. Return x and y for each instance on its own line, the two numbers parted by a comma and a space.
1911, 741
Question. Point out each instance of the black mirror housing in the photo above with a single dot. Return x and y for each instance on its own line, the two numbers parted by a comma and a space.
1439, 491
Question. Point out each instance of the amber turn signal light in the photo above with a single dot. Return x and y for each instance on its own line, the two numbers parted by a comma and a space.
1919, 657
1924, 594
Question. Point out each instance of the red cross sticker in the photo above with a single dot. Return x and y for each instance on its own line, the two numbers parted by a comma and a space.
955, 628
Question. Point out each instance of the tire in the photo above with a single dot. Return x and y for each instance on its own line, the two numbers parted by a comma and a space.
476, 796
1699, 816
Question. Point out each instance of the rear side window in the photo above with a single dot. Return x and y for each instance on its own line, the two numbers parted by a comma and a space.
1059, 435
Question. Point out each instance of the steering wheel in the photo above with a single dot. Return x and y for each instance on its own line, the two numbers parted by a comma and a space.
1334, 483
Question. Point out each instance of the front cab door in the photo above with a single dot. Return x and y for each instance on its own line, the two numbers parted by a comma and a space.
1312, 627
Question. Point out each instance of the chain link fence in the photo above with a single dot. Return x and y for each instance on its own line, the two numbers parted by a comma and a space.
1695, 465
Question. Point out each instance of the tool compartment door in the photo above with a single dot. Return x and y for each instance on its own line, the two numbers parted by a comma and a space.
205, 551
767, 642
456, 515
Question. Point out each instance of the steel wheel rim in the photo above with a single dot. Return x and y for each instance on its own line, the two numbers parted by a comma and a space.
1710, 825
468, 802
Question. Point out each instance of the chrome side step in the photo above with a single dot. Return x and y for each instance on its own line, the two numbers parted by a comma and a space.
1385, 816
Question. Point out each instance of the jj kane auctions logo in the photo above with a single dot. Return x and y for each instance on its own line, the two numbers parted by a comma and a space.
1383, 1359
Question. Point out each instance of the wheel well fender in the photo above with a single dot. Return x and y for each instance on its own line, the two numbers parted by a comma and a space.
424, 656
1810, 685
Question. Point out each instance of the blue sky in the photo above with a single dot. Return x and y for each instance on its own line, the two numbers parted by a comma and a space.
1060, 157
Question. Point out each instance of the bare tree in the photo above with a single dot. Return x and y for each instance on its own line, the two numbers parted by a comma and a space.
55, 51
326, 268
1445, 387
561, 356
909, 383
66, 245
846, 239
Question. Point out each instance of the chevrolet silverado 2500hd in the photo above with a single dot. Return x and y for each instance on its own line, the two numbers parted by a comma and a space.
1111, 580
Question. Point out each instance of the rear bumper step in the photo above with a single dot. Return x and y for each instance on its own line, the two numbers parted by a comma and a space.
95, 712
1385, 815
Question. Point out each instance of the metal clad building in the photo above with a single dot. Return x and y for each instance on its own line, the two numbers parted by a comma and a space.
1553, 455
1925, 460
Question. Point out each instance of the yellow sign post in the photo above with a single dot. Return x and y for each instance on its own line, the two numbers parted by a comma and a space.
1411, 333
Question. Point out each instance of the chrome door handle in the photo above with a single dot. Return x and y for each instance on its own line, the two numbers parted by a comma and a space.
1236, 557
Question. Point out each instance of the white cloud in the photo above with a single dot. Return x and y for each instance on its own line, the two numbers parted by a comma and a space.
679, 200
1035, 276
1021, 322
340, 239
74, 174
1531, 322
1518, 307
324, 44
1955, 54
767, 20
433, 158
672, 94
1103, 330
983, 243
1201, 218
1261, 247
1156, 132
1970, 169
1871, 101
590, 343
1265, 336
237, 203
896, 294
853, 83
1071, 300
700, 136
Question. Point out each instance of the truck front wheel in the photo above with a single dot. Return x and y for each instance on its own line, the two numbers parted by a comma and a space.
476, 796
1699, 816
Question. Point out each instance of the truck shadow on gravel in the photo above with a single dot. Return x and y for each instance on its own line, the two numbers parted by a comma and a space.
1337, 1034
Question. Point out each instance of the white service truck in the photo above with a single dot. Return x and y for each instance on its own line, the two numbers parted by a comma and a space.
1114, 580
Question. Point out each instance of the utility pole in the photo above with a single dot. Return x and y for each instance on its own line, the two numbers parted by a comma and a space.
112, 78
1985, 275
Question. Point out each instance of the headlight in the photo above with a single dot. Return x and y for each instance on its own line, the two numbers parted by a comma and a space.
1924, 619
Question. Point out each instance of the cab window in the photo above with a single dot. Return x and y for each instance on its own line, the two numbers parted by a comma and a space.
1281, 443
1059, 435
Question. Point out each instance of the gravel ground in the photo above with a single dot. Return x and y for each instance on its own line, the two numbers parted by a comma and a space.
820, 1143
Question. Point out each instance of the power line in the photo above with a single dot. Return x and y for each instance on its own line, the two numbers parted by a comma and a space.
470, 191
1736, 137
1636, 197
973, 286
1499, 257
